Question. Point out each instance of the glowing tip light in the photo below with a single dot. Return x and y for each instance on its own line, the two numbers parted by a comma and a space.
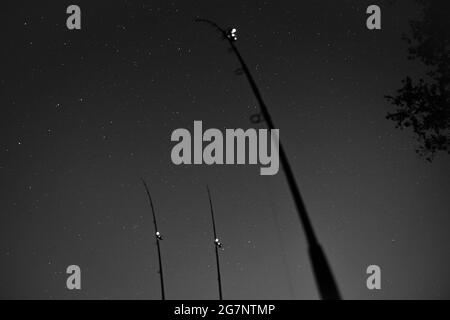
158, 235
232, 34
218, 243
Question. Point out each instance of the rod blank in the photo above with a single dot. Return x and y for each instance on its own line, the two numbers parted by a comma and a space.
158, 238
326, 283
217, 245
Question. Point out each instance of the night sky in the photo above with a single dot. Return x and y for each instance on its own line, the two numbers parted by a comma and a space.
86, 113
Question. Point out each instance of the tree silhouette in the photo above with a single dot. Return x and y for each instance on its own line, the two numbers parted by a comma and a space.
424, 105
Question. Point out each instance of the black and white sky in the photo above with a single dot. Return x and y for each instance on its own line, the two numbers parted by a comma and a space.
86, 113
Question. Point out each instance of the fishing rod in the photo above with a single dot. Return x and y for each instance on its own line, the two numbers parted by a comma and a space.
158, 238
326, 283
217, 245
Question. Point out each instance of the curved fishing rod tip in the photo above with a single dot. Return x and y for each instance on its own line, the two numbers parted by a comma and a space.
198, 19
